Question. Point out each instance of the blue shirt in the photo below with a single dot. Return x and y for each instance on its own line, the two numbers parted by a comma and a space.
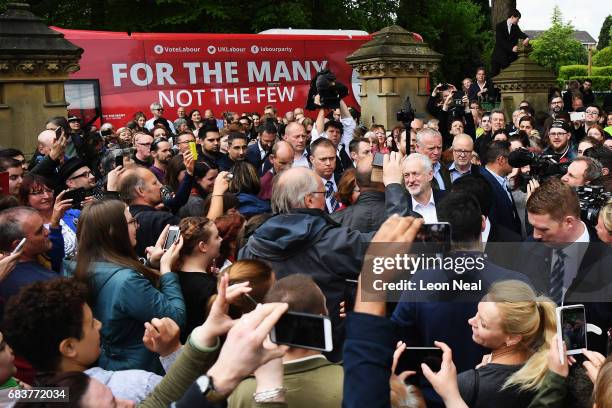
455, 174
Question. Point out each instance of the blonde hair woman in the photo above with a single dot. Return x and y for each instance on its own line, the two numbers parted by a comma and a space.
604, 223
517, 326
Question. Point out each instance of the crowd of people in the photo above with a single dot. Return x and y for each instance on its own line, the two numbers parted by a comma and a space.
278, 212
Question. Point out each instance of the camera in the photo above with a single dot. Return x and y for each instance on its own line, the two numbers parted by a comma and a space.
329, 90
406, 114
591, 198
541, 166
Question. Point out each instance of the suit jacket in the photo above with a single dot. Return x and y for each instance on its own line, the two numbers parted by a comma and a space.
504, 42
591, 286
445, 177
343, 163
474, 89
503, 211
253, 156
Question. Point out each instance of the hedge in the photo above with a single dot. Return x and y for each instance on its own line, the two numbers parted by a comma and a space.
603, 57
568, 71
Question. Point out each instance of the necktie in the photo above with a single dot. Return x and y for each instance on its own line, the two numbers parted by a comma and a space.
329, 195
556, 277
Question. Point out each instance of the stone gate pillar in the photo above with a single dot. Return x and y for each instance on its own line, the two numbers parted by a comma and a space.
392, 66
34, 63
524, 79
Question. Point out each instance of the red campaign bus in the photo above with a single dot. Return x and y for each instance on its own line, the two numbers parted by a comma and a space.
122, 74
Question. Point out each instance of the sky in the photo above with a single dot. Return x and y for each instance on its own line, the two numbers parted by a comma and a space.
586, 15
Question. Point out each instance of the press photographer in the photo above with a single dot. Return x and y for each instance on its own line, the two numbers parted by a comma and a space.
329, 90
449, 105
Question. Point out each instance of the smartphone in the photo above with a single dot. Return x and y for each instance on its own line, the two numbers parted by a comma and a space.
377, 168
58, 132
193, 150
119, 160
571, 329
350, 293
19, 246
77, 195
576, 116
434, 237
412, 357
303, 330
173, 235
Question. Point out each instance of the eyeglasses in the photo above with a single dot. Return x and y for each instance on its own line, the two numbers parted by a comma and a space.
319, 192
86, 175
185, 141
462, 152
557, 103
159, 110
144, 144
42, 191
557, 134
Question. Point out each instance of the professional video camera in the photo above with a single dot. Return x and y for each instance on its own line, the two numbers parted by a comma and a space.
329, 90
541, 166
592, 198
406, 116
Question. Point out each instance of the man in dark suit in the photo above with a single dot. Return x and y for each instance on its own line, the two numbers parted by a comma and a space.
507, 34
427, 316
564, 257
429, 143
503, 212
258, 153
323, 160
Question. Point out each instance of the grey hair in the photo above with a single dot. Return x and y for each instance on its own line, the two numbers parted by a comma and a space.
180, 121
425, 162
423, 133
594, 168
155, 105
291, 188
129, 183
10, 226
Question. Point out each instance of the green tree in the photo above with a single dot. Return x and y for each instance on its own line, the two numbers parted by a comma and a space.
456, 28
605, 33
557, 46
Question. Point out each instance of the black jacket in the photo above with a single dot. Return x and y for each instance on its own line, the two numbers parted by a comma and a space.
590, 287
503, 211
151, 224
365, 214
253, 156
504, 42
308, 241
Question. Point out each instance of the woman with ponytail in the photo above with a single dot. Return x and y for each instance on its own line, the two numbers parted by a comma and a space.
517, 326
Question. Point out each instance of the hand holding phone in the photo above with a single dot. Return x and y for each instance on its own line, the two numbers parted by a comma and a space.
303, 330
173, 235
19, 246
571, 329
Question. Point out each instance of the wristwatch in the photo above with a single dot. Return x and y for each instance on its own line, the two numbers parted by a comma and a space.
206, 384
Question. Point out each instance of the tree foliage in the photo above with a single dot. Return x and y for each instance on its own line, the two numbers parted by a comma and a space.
603, 58
605, 33
211, 16
557, 46
455, 28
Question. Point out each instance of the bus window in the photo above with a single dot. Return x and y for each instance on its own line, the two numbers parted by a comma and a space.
83, 99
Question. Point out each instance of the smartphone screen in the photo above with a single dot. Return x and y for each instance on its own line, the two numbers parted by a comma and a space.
573, 328
412, 357
303, 330
173, 235
434, 238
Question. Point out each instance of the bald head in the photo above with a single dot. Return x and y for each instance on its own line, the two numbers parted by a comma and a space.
463, 140
45, 141
282, 155
295, 133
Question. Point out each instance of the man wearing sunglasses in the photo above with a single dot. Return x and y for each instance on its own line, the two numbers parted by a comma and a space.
158, 112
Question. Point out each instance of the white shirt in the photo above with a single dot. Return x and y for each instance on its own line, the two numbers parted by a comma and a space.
427, 211
574, 253
302, 161
328, 199
485, 234
149, 124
